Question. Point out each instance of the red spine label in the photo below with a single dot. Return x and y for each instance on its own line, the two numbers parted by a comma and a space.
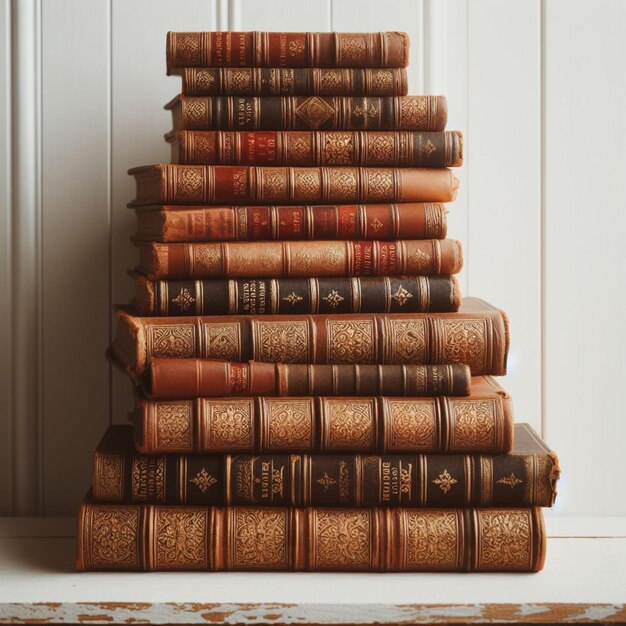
348, 223
387, 258
259, 223
291, 222
258, 148
238, 378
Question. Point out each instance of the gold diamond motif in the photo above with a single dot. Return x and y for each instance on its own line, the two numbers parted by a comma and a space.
203, 480
376, 225
314, 112
402, 296
510, 481
184, 299
326, 481
333, 299
429, 148
445, 482
293, 298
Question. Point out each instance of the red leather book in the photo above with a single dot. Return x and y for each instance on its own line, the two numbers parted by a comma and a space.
313, 148
226, 184
159, 537
476, 335
526, 476
172, 223
481, 422
282, 49
309, 113
286, 81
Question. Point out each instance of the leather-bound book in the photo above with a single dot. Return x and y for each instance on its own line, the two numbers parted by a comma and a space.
287, 81
231, 223
481, 422
176, 379
308, 113
282, 49
476, 335
526, 476
224, 184
160, 537
286, 296
275, 259
313, 148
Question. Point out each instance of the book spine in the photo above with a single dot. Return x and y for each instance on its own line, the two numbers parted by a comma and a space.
285, 81
285, 296
225, 184
300, 259
380, 424
139, 537
284, 49
315, 148
432, 480
363, 221
175, 379
427, 113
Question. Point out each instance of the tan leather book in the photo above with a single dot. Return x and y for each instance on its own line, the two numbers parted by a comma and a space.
225, 184
176, 379
476, 335
526, 476
428, 113
175, 223
159, 537
314, 148
481, 422
288, 81
284, 49
302, 259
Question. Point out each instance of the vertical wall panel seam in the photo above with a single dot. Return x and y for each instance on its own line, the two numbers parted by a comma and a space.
542, 183
110, 198
234, 13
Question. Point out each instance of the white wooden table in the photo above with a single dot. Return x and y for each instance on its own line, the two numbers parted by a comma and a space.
584, 581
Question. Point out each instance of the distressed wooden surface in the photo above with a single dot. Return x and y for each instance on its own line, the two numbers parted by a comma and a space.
584, 581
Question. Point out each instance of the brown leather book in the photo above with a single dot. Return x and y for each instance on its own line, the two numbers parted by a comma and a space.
282, 49
526, 476
288, 296
176, 379
224, 184
286, 81
275, 259
173, 223
308, 113
480, 422
313, 148
476, 335
159, 537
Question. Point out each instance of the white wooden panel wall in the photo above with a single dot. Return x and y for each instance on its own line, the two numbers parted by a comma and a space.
535, 86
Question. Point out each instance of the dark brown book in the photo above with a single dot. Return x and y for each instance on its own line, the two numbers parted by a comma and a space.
476, 335
288, 296
176, 379
283, 49
224, 184
172, 223
308, 113
287, 81
300, 259
481, 422
314, 148
526, 476
159, 537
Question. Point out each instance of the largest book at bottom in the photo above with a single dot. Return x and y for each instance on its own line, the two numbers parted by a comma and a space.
154, 537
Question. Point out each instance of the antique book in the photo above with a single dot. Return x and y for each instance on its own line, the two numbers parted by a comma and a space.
281, 49
232, 223
175, 379
275, 259
526, 476
287, 81
286, 296
321, 147
160, 537
480, 422
308, 113
476, 335
223, 184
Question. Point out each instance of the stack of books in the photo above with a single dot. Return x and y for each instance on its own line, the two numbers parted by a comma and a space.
312, 393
